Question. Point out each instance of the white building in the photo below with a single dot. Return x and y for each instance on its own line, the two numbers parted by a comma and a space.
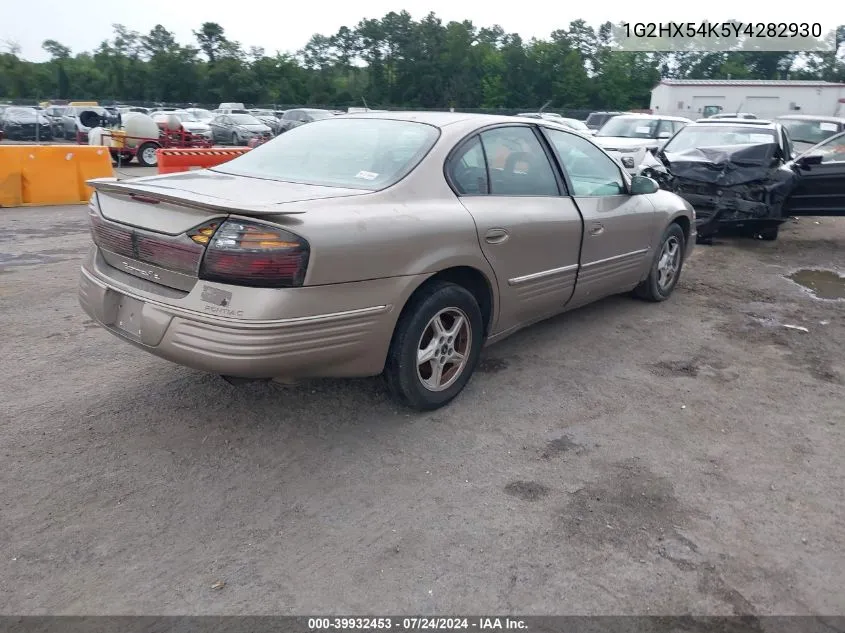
765, 98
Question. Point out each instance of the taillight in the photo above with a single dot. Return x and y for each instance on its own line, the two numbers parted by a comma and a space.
173, 253
252, 254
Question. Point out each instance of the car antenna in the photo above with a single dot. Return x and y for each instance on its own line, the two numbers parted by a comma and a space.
545, 105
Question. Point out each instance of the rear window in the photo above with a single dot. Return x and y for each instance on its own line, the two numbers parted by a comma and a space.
368, 154
596, 120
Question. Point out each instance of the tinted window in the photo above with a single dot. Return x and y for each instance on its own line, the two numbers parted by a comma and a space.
595, 121
367, 154
517, 164
592, 172
468, 169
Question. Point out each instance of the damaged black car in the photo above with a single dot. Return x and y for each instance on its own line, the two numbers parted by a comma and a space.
744, 176
25, 124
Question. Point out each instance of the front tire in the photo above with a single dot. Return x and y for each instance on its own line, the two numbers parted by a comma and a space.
146, 154
666, 267
235, 140
435, 347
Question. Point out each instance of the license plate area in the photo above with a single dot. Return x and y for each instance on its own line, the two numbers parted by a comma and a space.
129, 316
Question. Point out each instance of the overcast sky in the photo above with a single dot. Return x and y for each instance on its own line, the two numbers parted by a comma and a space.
82, 25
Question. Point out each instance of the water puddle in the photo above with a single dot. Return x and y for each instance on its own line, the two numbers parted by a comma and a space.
824, 284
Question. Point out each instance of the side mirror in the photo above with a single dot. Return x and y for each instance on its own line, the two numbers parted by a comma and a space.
642, 185
664, 135
806, 161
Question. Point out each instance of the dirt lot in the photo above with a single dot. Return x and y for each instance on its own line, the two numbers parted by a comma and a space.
625, 458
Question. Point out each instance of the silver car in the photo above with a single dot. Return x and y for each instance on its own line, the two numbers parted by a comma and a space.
390, 243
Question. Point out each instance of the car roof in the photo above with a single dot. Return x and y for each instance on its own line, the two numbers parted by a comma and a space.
812, 117
437, 119
454, 125
758, 123
643, 115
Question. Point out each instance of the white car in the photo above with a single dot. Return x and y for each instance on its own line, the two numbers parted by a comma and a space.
628, 137
190, 123
200, 114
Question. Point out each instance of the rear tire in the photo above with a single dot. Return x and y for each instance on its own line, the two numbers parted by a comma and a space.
442, 326
666, 267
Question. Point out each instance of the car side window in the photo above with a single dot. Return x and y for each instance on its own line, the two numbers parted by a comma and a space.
468, 169
832, 150
592, 172
517, 165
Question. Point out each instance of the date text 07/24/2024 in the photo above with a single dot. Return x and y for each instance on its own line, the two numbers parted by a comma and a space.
417, 624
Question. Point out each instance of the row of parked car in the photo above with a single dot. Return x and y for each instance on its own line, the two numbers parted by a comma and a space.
229, 124
736, 170
233, 124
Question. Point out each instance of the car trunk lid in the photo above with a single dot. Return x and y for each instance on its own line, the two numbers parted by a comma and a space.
148, 228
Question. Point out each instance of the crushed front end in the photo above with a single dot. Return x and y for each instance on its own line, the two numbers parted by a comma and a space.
740, 186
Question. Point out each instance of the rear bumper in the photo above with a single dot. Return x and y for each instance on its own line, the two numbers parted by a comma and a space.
342, 343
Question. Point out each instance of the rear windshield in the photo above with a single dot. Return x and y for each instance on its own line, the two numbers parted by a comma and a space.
692, 137
368, 154
629, 127
596, 120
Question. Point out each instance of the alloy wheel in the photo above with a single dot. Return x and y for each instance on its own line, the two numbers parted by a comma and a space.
444, 349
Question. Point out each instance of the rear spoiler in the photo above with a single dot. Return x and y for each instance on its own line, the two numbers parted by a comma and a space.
193, 200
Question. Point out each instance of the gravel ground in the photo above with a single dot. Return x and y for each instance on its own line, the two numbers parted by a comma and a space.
625, 458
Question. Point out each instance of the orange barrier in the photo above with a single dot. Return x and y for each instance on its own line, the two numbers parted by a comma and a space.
33, 175
173, 160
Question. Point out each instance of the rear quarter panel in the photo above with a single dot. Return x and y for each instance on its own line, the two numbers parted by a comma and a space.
388, 234
669, 207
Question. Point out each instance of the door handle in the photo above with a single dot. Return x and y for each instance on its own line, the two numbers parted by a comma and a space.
496, 236
597, 228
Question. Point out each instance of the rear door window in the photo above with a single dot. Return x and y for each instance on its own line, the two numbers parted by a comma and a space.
517, 163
